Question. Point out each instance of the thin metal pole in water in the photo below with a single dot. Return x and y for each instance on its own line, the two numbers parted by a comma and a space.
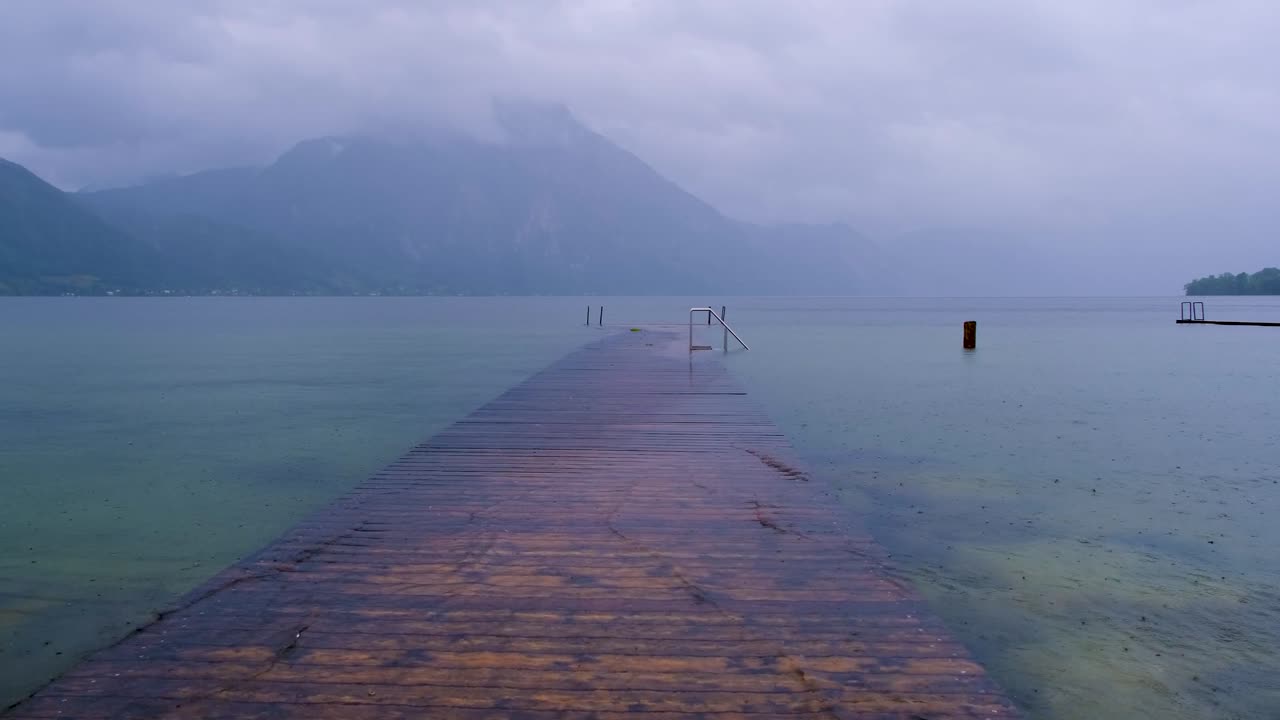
601, 316
724, 323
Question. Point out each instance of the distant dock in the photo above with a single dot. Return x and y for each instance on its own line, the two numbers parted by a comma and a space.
623, 534
1227, 322
1192, 313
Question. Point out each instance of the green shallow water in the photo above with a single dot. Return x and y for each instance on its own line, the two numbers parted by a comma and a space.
146, 444
1087, 499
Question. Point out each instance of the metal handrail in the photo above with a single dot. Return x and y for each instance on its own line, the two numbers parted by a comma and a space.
712, 314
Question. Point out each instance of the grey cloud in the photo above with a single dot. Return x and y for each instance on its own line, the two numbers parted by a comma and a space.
1110, 132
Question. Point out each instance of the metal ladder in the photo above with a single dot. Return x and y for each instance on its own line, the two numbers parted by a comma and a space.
727, 330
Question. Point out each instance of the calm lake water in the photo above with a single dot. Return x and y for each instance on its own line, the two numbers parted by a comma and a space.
1088, 499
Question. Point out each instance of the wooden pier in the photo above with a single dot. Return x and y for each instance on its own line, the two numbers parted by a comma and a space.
625, 533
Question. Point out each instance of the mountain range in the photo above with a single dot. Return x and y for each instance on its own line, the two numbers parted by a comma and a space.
550, 208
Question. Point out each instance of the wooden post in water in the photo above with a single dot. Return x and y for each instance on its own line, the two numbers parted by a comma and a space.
588, 316
970, 334
601, 316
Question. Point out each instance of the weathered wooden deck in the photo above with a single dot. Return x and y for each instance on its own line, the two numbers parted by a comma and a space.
624, 533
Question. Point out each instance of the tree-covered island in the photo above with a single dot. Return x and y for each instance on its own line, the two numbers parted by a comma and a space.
1263, 282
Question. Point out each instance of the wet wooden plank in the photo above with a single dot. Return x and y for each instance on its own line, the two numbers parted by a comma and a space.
625, 533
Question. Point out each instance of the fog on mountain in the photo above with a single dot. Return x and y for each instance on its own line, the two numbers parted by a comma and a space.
551, 208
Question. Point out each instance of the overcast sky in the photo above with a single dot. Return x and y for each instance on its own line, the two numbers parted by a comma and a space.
1141, 137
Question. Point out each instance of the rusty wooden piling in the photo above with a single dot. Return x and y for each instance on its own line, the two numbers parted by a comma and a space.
625, 533
970, 335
